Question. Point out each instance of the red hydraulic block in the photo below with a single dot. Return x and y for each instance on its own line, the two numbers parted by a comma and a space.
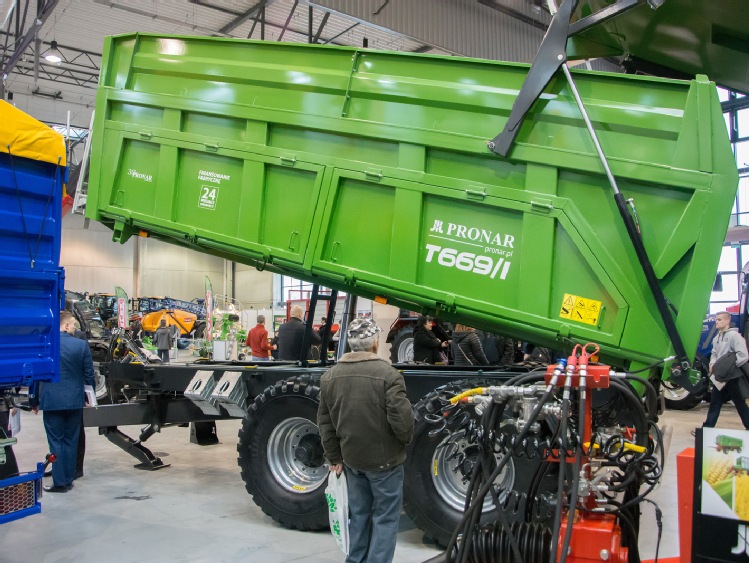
595, 537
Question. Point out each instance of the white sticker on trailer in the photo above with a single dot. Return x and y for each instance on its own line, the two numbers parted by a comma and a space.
208, 197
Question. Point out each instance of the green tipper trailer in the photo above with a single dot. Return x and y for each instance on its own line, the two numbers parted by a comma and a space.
371, 173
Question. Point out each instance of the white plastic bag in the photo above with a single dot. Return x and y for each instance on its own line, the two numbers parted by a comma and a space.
336, 494
14, 422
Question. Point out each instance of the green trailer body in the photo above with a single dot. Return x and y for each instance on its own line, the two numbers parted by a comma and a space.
368, 172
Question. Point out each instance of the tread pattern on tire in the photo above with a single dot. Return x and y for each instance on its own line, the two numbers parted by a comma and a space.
305, 388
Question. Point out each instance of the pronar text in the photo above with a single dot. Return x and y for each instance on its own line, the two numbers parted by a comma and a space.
139, 175
468, 261
473, 234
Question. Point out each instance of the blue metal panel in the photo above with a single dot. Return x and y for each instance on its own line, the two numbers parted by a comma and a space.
19, 496
31, 280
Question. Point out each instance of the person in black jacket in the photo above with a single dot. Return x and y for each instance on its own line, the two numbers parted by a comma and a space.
290, 335
466, 347
499, 350
427, 346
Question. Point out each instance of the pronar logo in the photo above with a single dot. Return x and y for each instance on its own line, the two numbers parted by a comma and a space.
139, 175
500, 246
473, 233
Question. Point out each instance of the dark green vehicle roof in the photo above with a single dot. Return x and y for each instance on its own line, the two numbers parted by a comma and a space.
689, 36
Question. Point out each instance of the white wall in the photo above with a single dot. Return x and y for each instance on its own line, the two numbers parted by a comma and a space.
166, 269
92, 261
254, 289
144, 266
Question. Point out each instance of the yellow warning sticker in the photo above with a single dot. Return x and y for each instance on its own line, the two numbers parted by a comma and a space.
580, 309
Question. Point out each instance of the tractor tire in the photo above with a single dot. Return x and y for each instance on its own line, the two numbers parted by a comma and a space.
402, 347
678, 398
199, 330
281, 456
434, 493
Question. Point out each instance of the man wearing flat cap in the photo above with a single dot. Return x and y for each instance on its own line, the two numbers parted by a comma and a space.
366, 422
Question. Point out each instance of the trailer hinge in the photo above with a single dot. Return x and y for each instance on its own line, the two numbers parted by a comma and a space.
476, 194
145, 134
544, 205
375, 175
211, 146
288, 160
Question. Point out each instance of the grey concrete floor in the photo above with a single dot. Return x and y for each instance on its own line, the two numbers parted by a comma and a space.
198, 510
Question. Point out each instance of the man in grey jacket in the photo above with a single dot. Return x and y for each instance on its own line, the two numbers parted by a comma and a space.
727, 340
365, 422
163, 340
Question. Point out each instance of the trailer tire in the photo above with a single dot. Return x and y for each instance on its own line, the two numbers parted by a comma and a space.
101, 386
402, 347
433, 497
281, 456
678, 398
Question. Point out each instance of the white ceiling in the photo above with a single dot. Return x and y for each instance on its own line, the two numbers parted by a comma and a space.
79, 28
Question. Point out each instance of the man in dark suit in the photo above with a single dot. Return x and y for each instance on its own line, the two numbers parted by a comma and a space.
290, 335
62, 404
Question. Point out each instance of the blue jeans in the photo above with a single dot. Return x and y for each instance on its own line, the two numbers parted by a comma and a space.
374, 499
718, 398
63, 428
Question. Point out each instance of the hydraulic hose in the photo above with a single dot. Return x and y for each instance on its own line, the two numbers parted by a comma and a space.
651, 396
476, 505
562, 463
576, 471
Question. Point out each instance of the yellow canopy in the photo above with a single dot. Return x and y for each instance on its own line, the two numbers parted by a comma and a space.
29, 138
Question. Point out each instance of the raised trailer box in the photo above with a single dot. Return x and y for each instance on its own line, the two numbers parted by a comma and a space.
32, 174
369, 172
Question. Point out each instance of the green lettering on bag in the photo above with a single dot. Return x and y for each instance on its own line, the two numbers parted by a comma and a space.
331, 502
336, 529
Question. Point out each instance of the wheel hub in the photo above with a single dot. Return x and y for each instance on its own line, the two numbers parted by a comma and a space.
451, 467
310, 451
295, 456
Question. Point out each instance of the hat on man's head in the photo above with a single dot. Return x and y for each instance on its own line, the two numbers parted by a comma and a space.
362, 328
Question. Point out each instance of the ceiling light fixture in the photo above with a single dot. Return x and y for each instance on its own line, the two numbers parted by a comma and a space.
52, 54
54, 95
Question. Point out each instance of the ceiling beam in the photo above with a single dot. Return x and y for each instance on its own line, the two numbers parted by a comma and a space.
236, 22
121, 6
262, 21
45, 10
286, 25
520, 16
325, 17
349, 28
